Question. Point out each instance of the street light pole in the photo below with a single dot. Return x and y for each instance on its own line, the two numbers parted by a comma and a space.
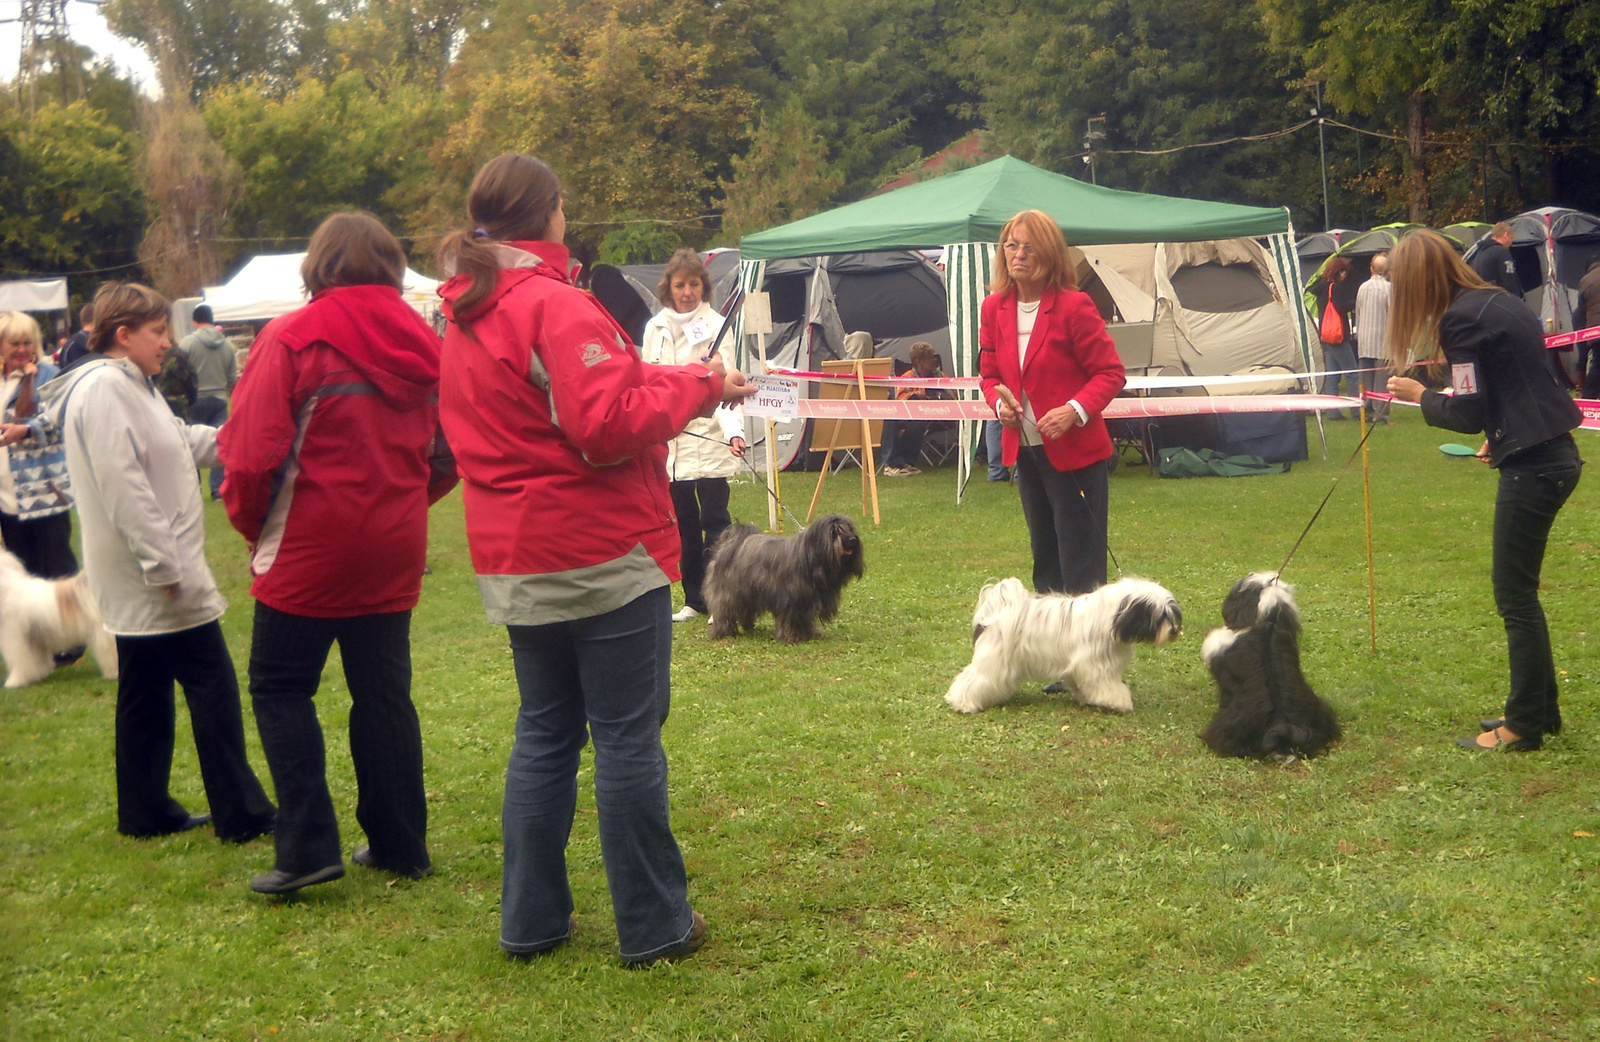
1322, 156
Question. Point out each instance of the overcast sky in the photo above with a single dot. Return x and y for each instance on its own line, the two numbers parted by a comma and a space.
89, 29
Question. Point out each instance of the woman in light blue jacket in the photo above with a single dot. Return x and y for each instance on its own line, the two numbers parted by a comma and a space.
35, 493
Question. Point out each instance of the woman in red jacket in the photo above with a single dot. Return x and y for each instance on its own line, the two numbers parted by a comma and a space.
329, 456
1049, 369
559, 430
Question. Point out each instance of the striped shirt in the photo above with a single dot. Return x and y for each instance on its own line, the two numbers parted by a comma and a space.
1372, 316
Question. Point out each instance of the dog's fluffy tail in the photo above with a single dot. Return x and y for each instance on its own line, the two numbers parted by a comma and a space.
993, 599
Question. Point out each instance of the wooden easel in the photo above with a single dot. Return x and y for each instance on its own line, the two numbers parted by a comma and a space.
845, 436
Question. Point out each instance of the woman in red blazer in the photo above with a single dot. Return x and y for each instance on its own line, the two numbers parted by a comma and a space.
1049, 368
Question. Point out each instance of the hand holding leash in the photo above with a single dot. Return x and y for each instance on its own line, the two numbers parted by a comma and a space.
1008, 409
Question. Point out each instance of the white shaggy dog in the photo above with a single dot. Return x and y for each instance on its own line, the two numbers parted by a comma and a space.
39, 617
1085, 641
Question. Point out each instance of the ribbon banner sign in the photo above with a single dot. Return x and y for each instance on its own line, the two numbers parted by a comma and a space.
1118, 409
776, 396
1578, 336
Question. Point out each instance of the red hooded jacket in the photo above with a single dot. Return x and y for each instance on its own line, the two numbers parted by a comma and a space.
328, 454
559, 430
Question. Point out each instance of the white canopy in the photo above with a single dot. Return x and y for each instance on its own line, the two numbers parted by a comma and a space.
269, 286
48, 295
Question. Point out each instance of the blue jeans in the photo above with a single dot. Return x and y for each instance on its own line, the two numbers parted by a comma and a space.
211, 412
991, 448
1530, 496
608, 673
1341, 356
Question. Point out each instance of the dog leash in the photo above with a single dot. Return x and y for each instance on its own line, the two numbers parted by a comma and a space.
1304, 532
745, 459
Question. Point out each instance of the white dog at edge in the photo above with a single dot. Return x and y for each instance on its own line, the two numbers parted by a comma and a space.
1085, 641
39, 617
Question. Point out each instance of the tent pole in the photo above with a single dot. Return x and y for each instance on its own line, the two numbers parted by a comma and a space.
1366, 498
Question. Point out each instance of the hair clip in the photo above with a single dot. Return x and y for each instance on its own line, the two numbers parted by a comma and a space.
480, 233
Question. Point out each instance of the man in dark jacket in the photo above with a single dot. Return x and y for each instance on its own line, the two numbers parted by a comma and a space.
216, 370
1585, 316
1493, 261
78, 345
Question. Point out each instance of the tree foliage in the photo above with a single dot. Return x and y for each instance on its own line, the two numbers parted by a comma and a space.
70, 195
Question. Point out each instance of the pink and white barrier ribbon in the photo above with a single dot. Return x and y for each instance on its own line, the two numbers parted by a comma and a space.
1577, 336
1135, 383
1119, 409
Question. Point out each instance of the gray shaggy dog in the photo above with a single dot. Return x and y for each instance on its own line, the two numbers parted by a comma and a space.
798, 580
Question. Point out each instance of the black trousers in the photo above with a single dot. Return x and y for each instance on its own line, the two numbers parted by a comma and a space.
1530, 496
146, 721
902, 442
42, 544
287, 653
702, 509
1067, 513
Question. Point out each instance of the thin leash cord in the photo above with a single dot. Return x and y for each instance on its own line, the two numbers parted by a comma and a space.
1085, 497
1306, 531
745, 459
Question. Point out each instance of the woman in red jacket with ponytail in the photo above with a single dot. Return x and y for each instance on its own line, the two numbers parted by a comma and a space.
1049, 369
560, 429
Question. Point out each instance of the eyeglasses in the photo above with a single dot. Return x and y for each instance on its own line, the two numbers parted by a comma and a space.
1018, 248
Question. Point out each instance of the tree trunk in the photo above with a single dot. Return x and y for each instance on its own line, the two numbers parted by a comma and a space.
1416, 132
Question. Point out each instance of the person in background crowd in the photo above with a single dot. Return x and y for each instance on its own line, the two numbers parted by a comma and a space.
35, 489
992, 433
338, 540
1371, 328
902, 439
178, 384
1587, 316
1334, 330
1488, 344
701, 459
1492, 261
78, 344
216, 370
133, 472
1049, 368
559, 430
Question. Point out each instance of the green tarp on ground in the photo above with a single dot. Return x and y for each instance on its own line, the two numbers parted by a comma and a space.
973, 205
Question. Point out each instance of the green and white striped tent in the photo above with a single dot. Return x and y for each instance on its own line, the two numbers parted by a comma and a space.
963, 213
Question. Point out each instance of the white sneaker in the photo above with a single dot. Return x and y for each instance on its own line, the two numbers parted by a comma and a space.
684, 614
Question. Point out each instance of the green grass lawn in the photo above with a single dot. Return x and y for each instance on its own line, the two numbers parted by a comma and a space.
873, 865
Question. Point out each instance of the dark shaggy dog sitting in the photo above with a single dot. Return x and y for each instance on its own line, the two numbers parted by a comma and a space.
1265, 706
798, 580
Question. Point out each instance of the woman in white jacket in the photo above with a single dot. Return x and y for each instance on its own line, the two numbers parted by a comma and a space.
701, 459
133, 468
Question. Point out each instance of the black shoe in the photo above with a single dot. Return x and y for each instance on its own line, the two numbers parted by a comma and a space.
280, 882
1530, 744
1500, 721
193, 821
688, 946
362, 856
68, 657
253, 832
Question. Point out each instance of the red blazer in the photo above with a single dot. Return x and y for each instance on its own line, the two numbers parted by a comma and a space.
1070, 355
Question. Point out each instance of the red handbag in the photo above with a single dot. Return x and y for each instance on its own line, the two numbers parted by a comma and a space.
1332, 331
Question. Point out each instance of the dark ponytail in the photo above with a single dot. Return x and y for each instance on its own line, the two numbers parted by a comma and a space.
513, 197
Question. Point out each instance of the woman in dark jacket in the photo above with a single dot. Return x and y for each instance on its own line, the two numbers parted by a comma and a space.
1489, 345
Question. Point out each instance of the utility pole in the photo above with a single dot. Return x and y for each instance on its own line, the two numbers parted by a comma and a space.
1096, 132
1322, 155
46, 40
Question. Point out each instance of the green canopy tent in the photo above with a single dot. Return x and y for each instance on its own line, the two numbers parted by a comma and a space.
963, 212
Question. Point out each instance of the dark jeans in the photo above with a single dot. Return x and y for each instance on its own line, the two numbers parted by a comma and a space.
146, 720
998, 471
902, 442
42, 544
608, 673
702, 509
1067, 514
1341, 357
211, 412
287, 653
1530, 496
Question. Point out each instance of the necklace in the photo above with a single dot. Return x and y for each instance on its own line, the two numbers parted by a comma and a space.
1028, 308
